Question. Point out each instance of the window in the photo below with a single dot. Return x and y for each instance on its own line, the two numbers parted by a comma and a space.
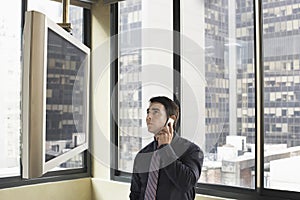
145, 69
281, 119
220, 61
223, 73
11, 27
10, 53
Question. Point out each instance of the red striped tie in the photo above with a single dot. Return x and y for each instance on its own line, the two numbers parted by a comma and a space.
150, 192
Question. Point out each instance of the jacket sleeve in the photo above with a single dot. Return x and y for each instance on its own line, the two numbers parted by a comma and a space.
183, 171
135, 188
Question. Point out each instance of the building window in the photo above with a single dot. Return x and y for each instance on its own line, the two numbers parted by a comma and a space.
281, 103
10, 54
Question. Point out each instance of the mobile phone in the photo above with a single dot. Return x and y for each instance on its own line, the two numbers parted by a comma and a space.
170, 120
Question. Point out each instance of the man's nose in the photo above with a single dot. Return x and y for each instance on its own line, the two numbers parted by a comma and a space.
148, 117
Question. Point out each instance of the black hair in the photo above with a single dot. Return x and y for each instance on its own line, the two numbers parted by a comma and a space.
171, 107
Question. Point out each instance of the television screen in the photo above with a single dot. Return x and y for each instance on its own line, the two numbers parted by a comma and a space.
55, 94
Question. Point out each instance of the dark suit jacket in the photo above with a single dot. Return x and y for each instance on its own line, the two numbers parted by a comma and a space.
181, 164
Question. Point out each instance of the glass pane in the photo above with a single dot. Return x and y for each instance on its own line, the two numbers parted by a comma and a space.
53, 10
281, 37
145, 70
10, 87
218, 102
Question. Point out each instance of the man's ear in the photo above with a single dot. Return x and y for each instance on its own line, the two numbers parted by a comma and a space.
173, 117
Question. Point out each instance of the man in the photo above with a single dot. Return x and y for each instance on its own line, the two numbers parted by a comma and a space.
180, 161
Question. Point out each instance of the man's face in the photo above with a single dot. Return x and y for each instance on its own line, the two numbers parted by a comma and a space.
156, 117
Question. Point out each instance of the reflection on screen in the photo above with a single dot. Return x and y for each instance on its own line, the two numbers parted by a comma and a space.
66, 94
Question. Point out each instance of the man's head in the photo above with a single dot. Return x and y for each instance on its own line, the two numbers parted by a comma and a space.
160, 109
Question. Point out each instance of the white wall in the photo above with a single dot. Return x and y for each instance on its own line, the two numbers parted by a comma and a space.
100, 91
107, 190
79, 189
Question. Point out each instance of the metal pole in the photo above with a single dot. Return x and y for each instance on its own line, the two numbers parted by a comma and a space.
65, 24
66, 4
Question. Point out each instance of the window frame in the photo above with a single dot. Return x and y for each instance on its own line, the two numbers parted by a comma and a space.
61, 175
259, 192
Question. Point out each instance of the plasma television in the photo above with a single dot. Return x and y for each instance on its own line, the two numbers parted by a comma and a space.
55, 97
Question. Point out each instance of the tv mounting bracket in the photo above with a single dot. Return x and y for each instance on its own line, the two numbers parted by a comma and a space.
65, 24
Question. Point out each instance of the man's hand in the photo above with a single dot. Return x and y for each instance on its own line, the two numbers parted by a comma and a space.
165, 135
